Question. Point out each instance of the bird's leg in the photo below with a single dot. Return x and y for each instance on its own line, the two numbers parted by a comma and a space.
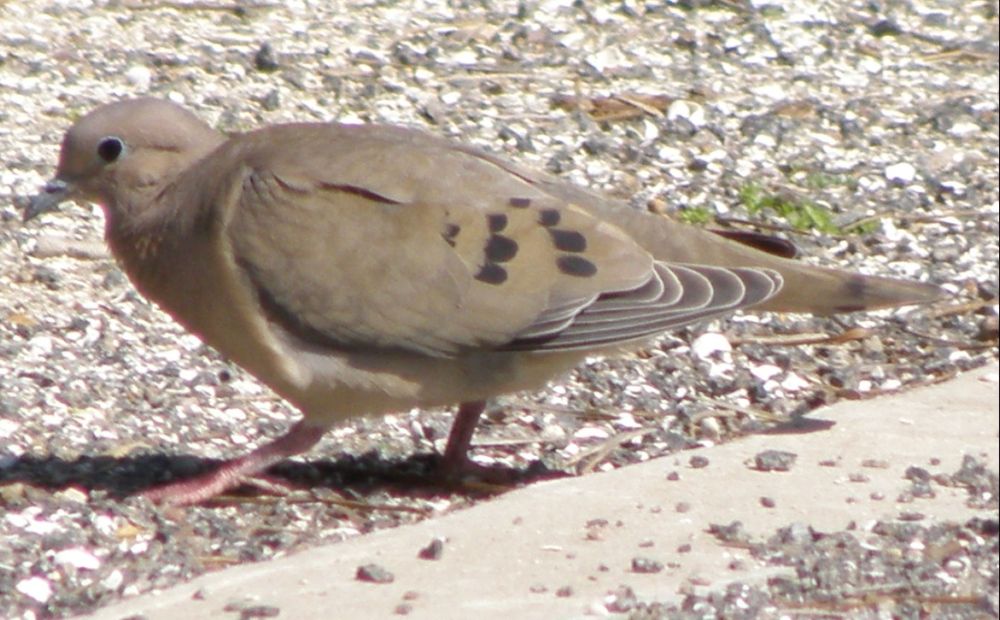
456, 453
232, 473
456, 465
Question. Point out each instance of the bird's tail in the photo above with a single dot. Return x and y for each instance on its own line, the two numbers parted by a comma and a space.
807, 288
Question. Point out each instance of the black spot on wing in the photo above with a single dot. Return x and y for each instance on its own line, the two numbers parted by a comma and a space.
857, 285
520, 203
492, 273
500, 249
568, 240
549, 217
765, 243
496, 222
450, 232
577, 266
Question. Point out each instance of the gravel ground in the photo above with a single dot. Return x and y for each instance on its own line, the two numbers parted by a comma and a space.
883, 569
866, 132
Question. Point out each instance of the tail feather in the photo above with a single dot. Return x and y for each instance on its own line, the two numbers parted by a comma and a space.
807, 288
820, 290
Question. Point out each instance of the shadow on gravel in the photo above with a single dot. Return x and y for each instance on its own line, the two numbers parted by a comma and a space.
417, 474
124, 476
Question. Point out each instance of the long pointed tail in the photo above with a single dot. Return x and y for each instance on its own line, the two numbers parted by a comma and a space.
807, 288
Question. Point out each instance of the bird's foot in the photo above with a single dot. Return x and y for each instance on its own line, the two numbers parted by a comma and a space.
246, 469
213, 484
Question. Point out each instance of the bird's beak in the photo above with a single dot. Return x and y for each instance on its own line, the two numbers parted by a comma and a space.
54, 192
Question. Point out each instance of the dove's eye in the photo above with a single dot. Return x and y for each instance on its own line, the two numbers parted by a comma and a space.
110, 148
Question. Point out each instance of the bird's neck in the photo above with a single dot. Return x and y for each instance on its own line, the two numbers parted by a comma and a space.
143, 239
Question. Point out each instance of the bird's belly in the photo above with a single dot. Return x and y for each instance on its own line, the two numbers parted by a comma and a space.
357, 384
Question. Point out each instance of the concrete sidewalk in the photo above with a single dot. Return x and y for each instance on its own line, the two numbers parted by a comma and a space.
545, 551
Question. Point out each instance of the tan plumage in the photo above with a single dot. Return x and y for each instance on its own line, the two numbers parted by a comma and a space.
359, 270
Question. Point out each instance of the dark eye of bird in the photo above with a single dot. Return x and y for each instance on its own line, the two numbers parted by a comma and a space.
110, 148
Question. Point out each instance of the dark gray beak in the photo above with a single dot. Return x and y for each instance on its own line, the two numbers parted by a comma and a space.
54, 192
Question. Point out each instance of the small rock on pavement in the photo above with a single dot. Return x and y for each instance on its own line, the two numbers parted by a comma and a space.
374, 573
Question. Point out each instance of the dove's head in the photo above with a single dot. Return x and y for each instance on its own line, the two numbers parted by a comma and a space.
121, 152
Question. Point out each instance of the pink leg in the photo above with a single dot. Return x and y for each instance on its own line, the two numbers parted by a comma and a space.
456, 466
232, 473
456, 453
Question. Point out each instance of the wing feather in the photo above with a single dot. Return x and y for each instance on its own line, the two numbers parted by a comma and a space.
451, 253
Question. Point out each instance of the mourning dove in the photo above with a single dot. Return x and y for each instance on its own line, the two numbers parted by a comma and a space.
366, 269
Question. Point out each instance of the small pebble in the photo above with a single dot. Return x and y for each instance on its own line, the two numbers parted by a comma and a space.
373, 573
432, 551
699, 580
140, 77
774, 460
875, 463
901, 173
646, 565
239, 604
259, 611
698, 461
707, 345
266, 59
37, 588
732, 533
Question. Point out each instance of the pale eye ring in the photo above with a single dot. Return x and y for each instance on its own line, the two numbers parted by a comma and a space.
110, 149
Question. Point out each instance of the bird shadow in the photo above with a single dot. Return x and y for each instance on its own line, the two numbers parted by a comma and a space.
416, 475
120, 477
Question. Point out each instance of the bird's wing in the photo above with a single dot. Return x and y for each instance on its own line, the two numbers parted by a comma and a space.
367, 237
